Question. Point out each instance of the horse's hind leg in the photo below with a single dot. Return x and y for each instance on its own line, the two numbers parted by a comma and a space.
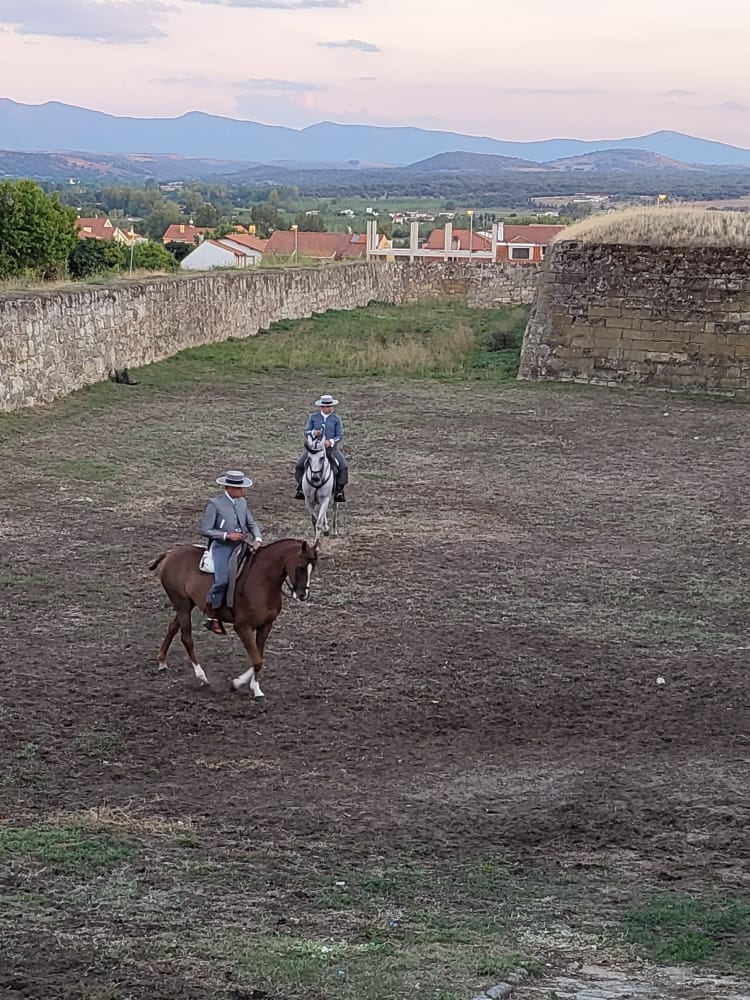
248, 637
172, 630
186, 634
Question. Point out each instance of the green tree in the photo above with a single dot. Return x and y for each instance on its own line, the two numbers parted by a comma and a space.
163, 214
37, 232
179, 250
223, 229
89, 257
266, 219
310, 223
152, 257
206, 215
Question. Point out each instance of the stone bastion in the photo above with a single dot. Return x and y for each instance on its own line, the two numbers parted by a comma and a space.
671, 317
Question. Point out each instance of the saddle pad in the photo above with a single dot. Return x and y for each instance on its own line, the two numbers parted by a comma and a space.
206, 564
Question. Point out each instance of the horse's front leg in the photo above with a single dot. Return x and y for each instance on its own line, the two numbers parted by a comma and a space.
249, 641
311, 510
321, 528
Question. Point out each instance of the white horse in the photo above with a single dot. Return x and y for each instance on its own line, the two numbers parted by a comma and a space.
318, 485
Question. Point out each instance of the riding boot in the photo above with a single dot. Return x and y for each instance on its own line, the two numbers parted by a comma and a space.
339, 497
299, 495
213, 623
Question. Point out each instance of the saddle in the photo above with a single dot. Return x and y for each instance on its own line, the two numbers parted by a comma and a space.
239, 558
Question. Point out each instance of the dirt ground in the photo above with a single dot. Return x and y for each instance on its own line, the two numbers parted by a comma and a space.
531, 638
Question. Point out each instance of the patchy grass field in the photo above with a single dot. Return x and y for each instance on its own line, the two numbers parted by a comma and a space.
509, 733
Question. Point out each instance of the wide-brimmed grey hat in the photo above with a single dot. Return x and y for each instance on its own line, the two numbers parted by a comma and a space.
234, 478
326, 400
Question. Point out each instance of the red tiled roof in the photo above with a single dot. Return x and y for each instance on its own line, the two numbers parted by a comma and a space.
242, 239
180, 232
323, 245
135, 238
90, 228
356, 245
538, 235
462, 237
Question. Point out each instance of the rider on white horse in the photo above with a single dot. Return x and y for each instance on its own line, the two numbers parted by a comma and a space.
325, 423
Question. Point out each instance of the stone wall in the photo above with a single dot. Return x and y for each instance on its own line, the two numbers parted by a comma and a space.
53, 342
673, 318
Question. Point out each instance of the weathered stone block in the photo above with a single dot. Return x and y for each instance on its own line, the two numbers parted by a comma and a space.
682, 317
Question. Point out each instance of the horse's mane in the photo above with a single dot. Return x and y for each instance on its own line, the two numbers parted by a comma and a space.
279, 541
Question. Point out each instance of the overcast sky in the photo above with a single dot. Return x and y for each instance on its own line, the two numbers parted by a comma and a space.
537, 69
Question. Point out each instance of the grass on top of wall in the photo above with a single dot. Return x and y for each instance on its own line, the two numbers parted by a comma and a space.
666, 226
424, 340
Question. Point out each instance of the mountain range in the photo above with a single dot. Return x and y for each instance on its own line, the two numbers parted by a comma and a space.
56, 127
138, 167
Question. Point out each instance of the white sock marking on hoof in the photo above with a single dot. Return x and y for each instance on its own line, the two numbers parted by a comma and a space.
247, 677
200, 673
161, 665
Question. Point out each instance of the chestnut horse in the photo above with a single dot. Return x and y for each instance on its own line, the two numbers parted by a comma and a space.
257, 598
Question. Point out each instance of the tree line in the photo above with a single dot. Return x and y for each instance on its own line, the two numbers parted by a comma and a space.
39, 239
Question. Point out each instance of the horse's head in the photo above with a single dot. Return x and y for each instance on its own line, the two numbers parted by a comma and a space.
299, 568
316, 449
315, 442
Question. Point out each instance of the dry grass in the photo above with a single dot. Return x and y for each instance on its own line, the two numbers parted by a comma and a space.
444, 351
129, 819
664, 227
9, 286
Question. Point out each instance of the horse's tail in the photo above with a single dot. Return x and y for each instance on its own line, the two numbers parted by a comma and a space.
155, 562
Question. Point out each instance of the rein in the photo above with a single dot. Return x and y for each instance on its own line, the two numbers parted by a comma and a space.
285, 584
318, 485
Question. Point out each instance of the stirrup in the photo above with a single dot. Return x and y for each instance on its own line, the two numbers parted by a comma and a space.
214, 625
299, 495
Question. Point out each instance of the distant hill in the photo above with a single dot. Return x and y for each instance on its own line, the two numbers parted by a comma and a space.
620, 159
55, 126
484, 163
113, 167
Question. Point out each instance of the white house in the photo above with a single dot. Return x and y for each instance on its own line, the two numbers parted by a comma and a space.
220, 253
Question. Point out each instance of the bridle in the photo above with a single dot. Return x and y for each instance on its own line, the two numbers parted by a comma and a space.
289, 585
317, 479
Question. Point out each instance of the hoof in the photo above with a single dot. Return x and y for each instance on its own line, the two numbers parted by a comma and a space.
260, 701
232, 687
161, 666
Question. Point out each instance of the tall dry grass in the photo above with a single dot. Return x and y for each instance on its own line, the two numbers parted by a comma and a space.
428, 339
406, 354
667, 226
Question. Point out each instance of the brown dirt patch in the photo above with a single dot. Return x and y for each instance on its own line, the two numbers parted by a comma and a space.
478, 671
